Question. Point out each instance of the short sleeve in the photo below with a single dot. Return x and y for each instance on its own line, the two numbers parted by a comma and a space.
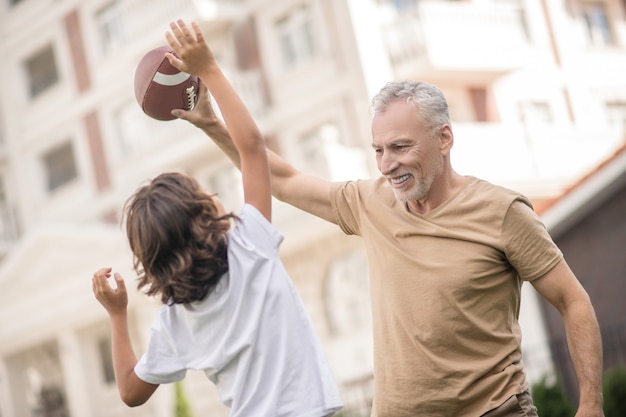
527, 244
159, 364
344, 198
254, 227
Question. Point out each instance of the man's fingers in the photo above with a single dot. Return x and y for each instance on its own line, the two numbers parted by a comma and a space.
181, 114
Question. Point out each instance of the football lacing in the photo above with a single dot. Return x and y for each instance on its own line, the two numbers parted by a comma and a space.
191, 97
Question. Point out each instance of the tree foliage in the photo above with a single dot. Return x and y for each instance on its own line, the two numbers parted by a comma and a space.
614, 391
551, 399
183, 408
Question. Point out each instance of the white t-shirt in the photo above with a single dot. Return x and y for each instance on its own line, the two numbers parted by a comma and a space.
251, 336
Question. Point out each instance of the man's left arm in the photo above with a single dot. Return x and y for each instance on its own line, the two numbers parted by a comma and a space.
563, 290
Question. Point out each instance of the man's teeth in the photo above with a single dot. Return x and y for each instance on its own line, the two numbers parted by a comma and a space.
400, 179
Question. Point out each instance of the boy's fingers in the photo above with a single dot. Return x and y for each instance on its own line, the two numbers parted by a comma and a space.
105, 270
184, 30
178, 33
120, 282
171, 41
175, 62
101, 274
197, 31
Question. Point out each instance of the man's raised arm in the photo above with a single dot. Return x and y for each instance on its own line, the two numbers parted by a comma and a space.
306, 192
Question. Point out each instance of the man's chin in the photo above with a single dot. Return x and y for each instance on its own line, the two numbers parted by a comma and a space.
406, 196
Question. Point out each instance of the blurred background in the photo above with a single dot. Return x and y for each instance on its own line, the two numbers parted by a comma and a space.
537, 96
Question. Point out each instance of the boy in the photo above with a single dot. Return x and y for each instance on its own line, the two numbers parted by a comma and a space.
229, 307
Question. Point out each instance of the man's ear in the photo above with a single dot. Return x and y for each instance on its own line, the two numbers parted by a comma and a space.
446, 138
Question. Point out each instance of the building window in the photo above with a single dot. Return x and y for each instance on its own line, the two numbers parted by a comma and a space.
106, 360
226, 183
322, 152
5, 219
316, 147
597, 24
536, 112
347, 294
132, 129
295, 34
399, 5
36, 379
8, 225
616, 113
60, 166
42, 71
110, 27
479, 99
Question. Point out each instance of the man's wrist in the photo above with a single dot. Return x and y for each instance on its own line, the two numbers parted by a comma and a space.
215, 131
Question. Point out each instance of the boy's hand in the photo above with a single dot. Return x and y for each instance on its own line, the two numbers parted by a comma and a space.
194, 55
114, 300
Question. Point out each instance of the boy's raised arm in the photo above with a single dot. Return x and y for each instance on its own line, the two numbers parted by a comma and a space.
196, 58
306, 192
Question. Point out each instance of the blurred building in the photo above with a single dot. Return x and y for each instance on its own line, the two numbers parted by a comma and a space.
587, 222
537, 97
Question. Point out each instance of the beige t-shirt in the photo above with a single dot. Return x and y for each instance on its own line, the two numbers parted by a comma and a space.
445, 289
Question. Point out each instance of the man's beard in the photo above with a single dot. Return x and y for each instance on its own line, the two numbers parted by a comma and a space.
421, 188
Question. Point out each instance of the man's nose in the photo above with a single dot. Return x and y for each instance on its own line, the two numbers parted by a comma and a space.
387, 164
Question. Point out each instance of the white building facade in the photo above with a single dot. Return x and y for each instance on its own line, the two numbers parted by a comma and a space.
537, 98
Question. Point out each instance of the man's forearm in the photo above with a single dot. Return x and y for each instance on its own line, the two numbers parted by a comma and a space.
585, 346
221, 137
279, 168
302, 191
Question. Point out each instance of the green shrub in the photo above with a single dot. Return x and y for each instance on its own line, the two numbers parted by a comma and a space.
614, 391
551, 399
182, 405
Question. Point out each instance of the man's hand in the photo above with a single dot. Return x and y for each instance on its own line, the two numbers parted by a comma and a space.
203, 116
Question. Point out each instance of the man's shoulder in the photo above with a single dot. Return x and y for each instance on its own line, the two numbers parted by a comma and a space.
357, 194
484, 189
362, 186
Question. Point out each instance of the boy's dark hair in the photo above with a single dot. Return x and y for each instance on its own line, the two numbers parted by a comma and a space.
177, 237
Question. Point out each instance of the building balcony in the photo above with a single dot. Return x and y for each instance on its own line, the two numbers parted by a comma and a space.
539, 161
443, 39
8, 229
219, 14
250, 85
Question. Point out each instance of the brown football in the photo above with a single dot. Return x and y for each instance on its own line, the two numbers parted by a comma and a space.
160, 87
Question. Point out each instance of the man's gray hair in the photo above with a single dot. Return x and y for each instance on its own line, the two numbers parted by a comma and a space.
430, 103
